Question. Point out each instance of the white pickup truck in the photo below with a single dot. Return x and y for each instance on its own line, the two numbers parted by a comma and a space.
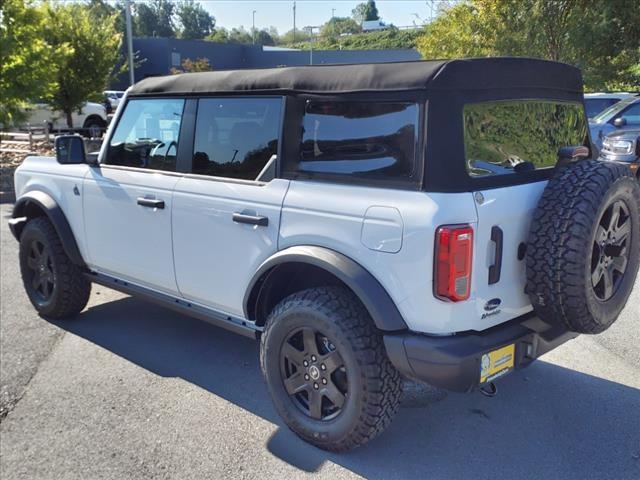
91, 119
438, 220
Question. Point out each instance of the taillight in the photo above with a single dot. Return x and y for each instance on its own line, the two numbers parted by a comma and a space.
454, 249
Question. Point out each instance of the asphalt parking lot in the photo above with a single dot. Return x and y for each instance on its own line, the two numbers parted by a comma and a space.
129, 390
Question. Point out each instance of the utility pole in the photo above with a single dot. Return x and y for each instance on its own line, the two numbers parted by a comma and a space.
294, 21
127, 15
310, 30
253, 28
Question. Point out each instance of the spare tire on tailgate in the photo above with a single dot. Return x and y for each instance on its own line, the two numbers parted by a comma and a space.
584, 246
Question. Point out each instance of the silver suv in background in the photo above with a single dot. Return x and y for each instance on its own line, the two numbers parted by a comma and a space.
623, 146
624, 115
594, 103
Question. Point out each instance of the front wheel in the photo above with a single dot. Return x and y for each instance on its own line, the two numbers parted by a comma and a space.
327, 370
56, 286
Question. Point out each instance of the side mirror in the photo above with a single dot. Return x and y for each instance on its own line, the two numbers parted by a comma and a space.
620, 122
570, 154
70, 149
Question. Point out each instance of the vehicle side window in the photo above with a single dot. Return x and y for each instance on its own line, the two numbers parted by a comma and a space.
594, 106
236, 137
513, 137
367, 140
632, 114
147, 134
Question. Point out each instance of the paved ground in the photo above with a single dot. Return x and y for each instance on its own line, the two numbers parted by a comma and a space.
129, 390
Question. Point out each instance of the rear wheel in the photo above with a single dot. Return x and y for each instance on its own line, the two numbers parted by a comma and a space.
327, 370
56, 286
93, 127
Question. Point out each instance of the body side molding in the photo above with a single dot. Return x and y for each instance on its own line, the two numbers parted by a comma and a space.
371, 293
44, 202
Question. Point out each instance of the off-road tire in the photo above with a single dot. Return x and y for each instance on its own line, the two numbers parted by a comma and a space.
375, 386
70, 291
560, 248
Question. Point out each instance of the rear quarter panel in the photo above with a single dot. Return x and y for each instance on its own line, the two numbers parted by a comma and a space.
331, 216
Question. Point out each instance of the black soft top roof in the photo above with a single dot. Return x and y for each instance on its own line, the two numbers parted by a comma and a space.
468, 74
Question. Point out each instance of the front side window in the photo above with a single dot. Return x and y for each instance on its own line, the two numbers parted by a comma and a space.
367, 140
594, 106
632, 114
236, 137
147, 134
513, 137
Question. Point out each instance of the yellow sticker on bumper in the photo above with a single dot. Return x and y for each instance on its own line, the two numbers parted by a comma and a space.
497, 363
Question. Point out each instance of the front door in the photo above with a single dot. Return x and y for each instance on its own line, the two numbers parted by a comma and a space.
128, 199
226, 216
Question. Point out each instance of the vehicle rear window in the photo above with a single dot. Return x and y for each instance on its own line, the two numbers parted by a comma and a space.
366, 140
513, 137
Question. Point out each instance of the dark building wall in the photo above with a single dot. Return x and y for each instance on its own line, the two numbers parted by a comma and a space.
156, 56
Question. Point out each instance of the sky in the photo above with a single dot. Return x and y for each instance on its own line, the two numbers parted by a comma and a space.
279, 13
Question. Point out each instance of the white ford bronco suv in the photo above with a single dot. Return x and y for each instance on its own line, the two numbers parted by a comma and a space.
439, 220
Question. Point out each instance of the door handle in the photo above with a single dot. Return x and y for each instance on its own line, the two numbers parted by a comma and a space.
496, 268
251, 219
150, 202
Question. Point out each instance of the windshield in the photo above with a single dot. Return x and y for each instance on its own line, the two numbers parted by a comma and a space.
616, 107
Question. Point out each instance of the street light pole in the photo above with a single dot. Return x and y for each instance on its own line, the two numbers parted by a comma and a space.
253, 29
310, 30
127, 16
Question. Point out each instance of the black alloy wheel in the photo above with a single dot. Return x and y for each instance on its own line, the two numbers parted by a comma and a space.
610, 254
327, 370
41, 272
314, 373
56, 287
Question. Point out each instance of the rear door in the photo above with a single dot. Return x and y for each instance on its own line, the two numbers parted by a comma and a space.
226, 214
511, 138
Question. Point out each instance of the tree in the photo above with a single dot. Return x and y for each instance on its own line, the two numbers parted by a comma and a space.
263, 37
601, 38
390, 38
155, 19
235, 35
338, 26
288, 37
196, 22
91, 51
219, 35
29, 61
239, 35
365, 12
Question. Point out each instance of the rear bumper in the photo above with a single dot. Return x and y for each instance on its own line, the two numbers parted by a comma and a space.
453, 362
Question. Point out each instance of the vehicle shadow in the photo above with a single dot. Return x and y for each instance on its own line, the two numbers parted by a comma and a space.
546, 422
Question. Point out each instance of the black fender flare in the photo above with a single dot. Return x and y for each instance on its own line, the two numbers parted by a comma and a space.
44, 202
367, 288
